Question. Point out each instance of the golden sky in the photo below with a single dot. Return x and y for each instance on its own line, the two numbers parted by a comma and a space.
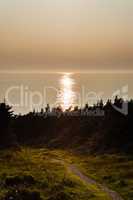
66, 35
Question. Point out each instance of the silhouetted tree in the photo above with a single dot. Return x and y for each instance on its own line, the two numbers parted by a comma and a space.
118, 102
5, 117
56, 128
47, 108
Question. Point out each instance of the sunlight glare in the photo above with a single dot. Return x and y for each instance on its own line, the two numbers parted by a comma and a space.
67, 95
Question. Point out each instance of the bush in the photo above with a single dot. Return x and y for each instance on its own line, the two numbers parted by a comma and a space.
22, 195
19, 180
61, 196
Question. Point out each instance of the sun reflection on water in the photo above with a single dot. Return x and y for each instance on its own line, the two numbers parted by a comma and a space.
66, 98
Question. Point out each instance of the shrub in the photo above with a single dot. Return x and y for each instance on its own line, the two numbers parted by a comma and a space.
22, 195
19, 180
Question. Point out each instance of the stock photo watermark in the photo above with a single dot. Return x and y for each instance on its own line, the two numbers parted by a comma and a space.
27, 98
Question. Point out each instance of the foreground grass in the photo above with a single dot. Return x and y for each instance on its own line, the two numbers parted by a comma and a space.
41, 174
116, 171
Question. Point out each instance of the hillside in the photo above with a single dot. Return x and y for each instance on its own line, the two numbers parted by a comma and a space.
43, 174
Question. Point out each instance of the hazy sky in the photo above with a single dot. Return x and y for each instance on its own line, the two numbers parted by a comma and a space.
66, 35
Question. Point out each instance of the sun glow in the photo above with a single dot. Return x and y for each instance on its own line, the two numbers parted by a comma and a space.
66, 97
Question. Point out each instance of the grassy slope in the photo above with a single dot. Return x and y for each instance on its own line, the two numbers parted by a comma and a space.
116, 171
54, 182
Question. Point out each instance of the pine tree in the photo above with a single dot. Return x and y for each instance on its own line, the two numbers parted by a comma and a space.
5, 117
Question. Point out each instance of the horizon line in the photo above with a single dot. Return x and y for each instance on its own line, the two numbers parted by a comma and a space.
102, 71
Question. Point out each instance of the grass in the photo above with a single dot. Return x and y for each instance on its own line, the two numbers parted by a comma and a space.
50, 179
116, 171
44, 174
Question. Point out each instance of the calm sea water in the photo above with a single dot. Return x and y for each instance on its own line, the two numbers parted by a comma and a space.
28, 91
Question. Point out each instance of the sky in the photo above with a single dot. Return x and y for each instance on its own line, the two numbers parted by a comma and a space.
66, 35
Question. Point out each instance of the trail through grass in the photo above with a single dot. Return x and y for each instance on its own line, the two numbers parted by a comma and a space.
52, 175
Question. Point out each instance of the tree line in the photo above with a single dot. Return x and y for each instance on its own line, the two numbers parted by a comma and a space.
83, 129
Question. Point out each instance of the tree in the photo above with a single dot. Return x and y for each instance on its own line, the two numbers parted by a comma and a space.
5, 117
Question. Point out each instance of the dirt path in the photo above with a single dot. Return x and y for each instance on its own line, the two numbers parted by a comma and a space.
74, 170
114, 195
